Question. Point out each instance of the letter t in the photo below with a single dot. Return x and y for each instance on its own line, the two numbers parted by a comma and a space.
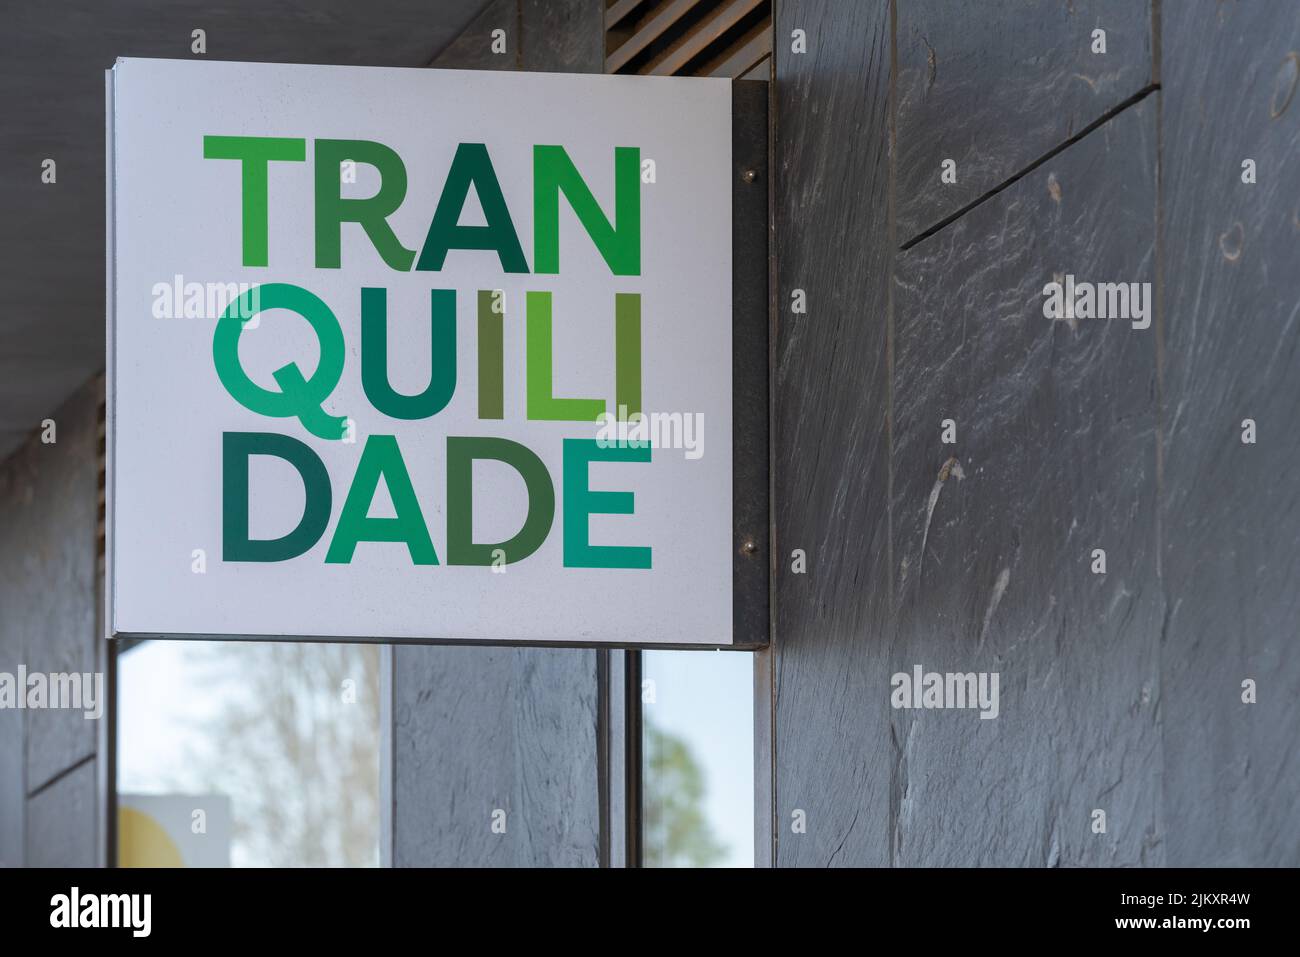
254, 153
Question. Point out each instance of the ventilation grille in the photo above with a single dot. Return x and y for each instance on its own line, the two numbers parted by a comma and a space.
729, 38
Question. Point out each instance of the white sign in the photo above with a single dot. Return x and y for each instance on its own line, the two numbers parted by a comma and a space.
419, 355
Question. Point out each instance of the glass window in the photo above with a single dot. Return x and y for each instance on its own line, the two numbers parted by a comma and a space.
248, 754
698, 755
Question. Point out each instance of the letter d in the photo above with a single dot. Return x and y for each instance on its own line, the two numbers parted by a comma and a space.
461, 453
236, 449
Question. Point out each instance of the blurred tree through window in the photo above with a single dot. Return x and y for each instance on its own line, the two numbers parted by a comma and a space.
697, 792
677, 831
289, 731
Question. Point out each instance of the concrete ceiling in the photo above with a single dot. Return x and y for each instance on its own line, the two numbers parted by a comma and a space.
52, 61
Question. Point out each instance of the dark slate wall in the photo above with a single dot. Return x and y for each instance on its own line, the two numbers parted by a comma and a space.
993, 534
48, 595
830, 390
13, 790
1119, 692
61, 828
995, 85
480, 729
1231, 511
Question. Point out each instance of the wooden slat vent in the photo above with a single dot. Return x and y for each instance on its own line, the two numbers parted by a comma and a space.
731, 38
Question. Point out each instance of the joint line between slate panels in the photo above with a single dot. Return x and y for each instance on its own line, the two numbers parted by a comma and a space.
1106, 117
63, 773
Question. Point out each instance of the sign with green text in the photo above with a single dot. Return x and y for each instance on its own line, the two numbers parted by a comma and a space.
419, 355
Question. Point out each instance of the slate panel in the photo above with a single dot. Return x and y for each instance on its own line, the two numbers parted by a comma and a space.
48, 514
1055, 455
472, 48
13, 793
1231, 511
829, 437
482, 729
565, 37
996, 85
61, 821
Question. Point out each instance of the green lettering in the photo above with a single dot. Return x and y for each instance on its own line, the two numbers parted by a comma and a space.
254, 153
236, 449
580, 502
442, 360
627, 354
541, 402
332, 210
461, 454
298, 397
472, 167
381, 458
554, 173
491, 357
